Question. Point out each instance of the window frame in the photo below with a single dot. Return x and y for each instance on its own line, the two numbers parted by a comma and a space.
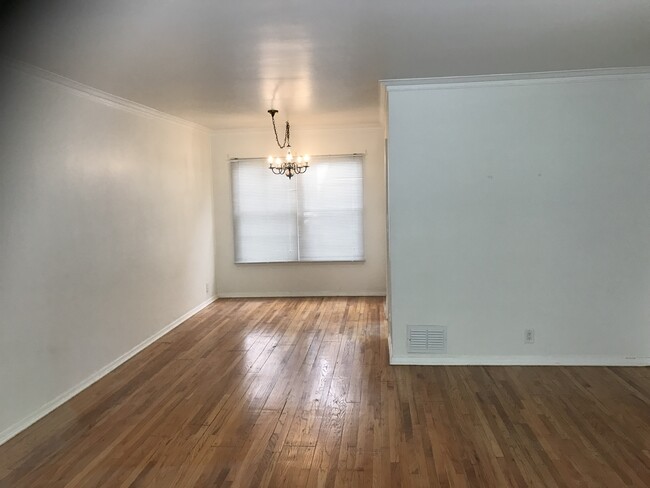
314, 159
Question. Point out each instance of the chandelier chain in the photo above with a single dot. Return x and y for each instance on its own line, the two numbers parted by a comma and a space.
286, 142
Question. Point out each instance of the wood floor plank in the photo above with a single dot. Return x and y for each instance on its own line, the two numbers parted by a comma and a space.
298, 392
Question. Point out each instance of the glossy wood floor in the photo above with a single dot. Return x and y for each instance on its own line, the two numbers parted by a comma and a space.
298, 392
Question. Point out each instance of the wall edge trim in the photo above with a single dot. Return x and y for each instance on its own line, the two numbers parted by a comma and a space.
99, 95
32, 418
519, 360
527, 78
309, 129
302, 294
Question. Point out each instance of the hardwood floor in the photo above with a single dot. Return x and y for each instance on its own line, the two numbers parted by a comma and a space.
298, 392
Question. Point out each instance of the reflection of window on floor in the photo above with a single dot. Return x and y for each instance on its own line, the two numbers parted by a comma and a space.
315, 216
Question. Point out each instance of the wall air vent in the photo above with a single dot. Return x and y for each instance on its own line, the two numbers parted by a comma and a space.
427, 339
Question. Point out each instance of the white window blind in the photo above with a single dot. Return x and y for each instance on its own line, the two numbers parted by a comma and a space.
315, 216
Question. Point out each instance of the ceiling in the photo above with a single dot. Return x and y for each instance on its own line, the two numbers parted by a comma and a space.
223, 63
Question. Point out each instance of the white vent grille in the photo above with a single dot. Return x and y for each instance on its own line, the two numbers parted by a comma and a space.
427, 339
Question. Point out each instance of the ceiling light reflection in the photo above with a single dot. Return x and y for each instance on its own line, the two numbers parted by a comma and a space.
286, 71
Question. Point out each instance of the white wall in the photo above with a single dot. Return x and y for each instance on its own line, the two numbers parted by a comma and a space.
296, 279
106, 236
522, 204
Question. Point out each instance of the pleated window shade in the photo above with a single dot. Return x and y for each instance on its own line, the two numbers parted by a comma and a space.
315, 216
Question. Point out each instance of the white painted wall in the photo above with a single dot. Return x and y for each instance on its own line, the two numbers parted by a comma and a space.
301, 279
521, 205
106, 236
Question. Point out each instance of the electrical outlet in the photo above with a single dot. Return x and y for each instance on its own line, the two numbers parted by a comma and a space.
207, 288
529, 336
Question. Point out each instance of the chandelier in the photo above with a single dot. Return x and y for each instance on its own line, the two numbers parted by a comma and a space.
289, 166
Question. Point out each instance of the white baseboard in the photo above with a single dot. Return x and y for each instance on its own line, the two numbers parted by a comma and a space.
520, 360
18, 427
301, 294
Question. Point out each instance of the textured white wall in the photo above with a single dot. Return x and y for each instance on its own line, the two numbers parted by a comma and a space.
522, 205
295, 279
106, 235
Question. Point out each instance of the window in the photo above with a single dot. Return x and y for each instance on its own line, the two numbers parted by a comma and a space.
315, 216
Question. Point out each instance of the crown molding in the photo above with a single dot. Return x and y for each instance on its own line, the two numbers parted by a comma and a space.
583, 75
371, 126
100, 96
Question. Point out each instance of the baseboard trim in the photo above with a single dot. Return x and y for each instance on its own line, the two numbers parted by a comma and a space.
291, 294
520, 361
18, 427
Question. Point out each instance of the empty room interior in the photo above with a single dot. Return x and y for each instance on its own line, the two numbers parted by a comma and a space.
361, 243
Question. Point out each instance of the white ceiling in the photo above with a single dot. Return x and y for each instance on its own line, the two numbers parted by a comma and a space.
223, 63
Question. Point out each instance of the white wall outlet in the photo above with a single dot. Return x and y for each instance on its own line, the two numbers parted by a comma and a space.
529, 336
207, 288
